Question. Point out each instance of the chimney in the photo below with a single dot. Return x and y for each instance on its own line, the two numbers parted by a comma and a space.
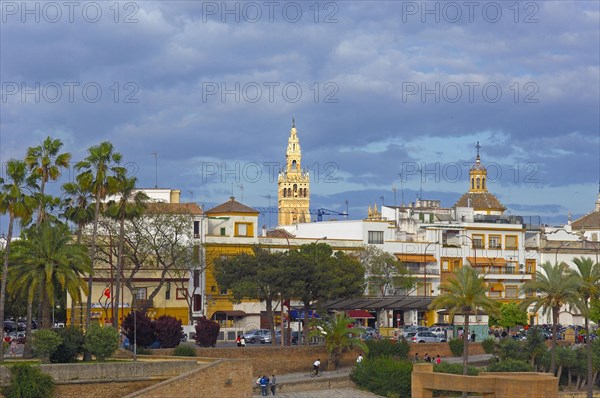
264, 230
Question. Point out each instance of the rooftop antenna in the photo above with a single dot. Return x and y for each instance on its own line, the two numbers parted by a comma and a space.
191, 193
155, 169
394, 190
346, 201
421, 190
241, 187
401, 189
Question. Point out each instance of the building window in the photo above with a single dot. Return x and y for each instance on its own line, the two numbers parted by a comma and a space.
197, 302
168, 291
495, 242
141, 293
196, 278
223, 231
530, 266
478, 241
511, 268
196, 229
496, 294
243, 229
511, 292
223, 292
510, 242
375, 237
450, 264
181, 293
445, 265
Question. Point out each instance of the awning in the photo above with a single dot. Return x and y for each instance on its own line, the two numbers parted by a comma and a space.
402, 303
360, 314
415, 258
299, 314
497, 287
230, 313
485, 261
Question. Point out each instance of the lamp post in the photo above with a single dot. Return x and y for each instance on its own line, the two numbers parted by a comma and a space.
134, 291
472, 244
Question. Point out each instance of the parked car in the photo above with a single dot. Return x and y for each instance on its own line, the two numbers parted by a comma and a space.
266, 339
427, 337
10, 326
415, 329
439, 331
254, 335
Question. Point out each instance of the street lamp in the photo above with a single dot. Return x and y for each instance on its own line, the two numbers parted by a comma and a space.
134, 292
472, 244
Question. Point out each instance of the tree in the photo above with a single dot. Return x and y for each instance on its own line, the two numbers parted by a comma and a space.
207, 332
45, 164
97, 169
101, 341
47, 259
465, 294
129, 205
168, 331
384, 274
587, 275
255, 276
339, 336
510, 315
550, 290
19, 206
321, 276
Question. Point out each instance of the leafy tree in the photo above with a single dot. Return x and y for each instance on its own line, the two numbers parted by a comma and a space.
168, 331
510, 315
384, 274
45, 343
552, 288
101, 341
28, 381
258, 276
19, 206
385, 347
466, 294
144, 329
207, 332
510, 365
339, 336
97, 173
587, 275
534, 346
131, 204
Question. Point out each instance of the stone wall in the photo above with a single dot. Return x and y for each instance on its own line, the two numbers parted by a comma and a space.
226, 378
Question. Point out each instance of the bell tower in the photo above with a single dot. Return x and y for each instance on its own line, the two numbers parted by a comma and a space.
477, 174
293, 185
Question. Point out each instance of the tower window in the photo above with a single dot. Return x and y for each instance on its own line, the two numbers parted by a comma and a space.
483, 183
284, 192
477, 183
294, 164
472, 183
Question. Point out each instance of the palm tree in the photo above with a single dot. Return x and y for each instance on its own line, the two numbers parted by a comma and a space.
18, 205
97, 170
587, 274
465, 294
339, 337
130, 205
48, 259
45, 163
550, 290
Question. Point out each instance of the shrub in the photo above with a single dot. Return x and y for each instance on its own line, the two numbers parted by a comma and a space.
184, 351
489, 346
101, 341
384, 376
28, 381
168, 331
143, 351
144, 329
382, 348
71, 346
45, 343
454, 368
510, 365
207, 332
511, 349
456, 347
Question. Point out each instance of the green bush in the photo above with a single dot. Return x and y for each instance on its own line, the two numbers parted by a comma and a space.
511, 349
71, 346
384, 376
143, 351
45, 343
101, 341
28, 381
510, 365
184, 350
389, 348
456, 347
489, 346
454, 368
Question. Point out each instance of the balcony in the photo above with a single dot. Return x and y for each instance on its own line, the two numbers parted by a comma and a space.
423, 270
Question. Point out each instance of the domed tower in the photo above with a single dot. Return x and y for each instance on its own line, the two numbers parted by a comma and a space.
478, 197
293, 185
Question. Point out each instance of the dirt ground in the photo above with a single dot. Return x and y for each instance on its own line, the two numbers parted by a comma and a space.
100, 390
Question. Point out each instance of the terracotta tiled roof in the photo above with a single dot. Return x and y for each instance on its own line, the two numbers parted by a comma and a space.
232, 206
173, 208
589, 221
480, 201
279, 233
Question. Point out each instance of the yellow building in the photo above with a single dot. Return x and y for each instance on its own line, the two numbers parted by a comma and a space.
162, 288
293, 185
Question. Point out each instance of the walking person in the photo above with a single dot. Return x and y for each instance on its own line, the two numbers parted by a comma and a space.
473, 337
13, 348
264, 382
273, 384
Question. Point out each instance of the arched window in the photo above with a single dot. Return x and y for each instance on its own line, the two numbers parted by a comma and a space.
472, 183
477, 183
483, 183
294, 164
305, 192
295, 190
284, 192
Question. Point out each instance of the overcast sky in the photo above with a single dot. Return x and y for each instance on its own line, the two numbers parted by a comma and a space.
380, 91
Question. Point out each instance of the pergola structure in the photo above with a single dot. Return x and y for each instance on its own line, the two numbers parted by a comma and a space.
418, 303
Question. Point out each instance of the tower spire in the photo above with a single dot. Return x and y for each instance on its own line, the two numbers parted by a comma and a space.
293, 123
478, 148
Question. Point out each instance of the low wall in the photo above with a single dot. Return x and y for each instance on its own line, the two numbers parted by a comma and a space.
109, 371
313, 384
225, 378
